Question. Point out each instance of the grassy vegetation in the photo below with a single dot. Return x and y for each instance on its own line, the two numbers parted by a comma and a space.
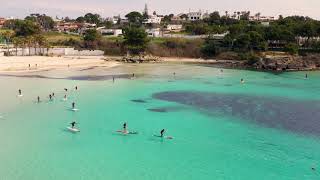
56, 37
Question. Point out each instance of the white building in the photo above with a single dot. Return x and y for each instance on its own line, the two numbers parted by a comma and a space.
154, 19
155, 32
174, 27
195, 16
110, 32
262, 18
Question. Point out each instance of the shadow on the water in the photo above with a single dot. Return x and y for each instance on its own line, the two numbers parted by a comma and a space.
139, 101
300, 116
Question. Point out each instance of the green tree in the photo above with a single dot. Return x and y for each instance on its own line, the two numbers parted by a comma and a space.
242, 42
214, 18
92, 18
209, 48
135, 40
91, 38
46, 22
135, 18
291, 48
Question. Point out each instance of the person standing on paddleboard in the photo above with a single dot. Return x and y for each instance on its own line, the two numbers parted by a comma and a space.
73, 105
162, 132
73, 124
125, 127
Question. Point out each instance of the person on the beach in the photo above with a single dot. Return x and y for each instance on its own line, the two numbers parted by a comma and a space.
161, 133
133, 75
38, 98
76, 88
65, 97
50, 97
52, 94
113, 79
65, 89
29, 66
20, 92
73, 105
73, 124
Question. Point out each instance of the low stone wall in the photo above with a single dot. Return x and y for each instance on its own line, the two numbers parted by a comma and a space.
53, 52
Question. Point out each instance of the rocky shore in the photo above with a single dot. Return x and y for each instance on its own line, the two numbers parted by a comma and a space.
275, 62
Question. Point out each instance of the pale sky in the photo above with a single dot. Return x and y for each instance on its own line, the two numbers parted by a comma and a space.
75, 8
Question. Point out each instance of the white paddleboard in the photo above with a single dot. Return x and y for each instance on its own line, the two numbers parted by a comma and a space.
20, 95
73, 129
75, 109
166, 137
128, 132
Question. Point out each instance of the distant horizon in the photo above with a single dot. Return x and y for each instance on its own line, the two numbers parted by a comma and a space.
108, 8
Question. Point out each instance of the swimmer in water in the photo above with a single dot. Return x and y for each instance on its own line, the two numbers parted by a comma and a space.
76, 88
306, 76
162, 133
241, 81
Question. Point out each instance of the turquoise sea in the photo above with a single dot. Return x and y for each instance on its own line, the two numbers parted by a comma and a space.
267, 128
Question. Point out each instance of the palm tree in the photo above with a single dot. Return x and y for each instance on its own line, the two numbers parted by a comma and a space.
7, 34
29, 41
17, 41
257, 16
24, 44
40, 40
238, 13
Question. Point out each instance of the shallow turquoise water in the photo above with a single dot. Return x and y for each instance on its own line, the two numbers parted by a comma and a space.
210, 141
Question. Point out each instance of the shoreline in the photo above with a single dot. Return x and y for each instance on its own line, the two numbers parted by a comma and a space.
20, 64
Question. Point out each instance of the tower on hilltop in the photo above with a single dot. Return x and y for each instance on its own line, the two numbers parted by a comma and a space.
146, 11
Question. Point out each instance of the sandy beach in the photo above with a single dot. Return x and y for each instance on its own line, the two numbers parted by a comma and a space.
43, 63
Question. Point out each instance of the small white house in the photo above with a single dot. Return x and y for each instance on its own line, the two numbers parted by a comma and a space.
174, 27
155, 32
110, 32
195, 16
154, 19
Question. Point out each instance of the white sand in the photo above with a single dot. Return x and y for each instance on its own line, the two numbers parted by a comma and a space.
42, 63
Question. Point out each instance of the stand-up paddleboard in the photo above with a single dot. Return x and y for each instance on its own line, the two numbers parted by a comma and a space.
64, 99
128, 132
73, 129
74, 109
166, 137
20, 95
